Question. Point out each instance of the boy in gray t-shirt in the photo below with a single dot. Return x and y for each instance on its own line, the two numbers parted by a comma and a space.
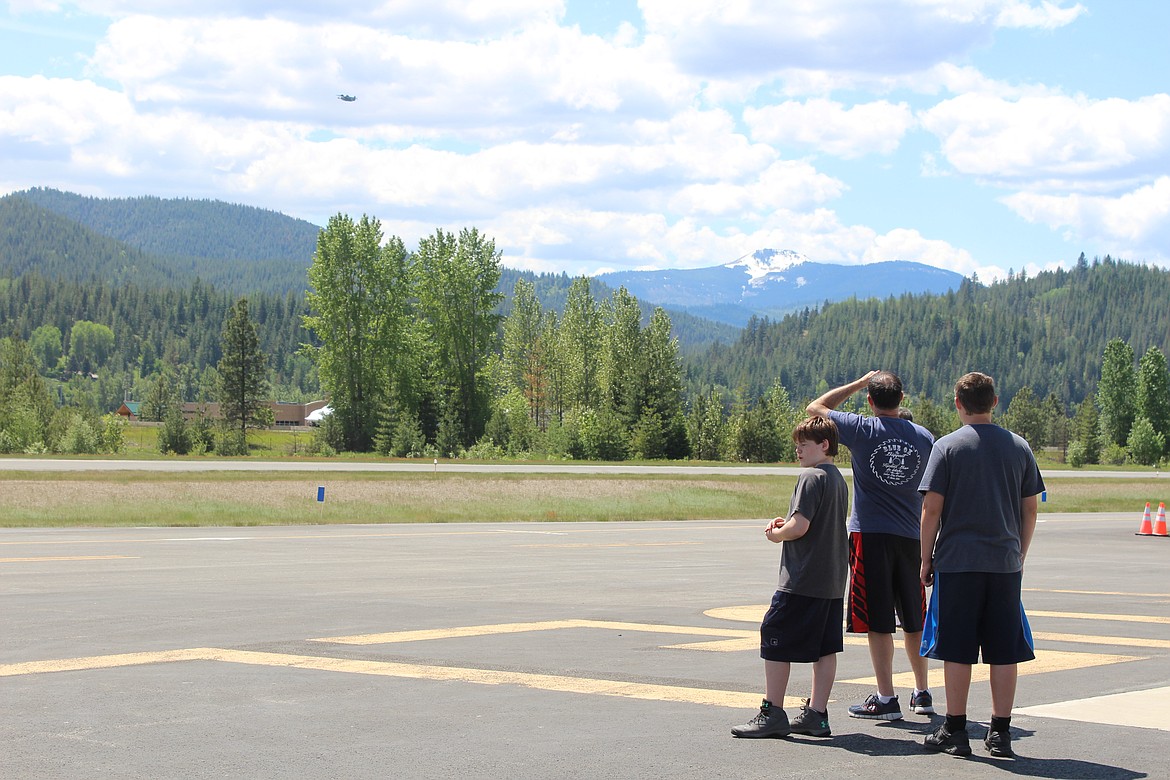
804, 622
978, 516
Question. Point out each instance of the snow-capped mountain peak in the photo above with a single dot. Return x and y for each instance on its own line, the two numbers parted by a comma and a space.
762, 263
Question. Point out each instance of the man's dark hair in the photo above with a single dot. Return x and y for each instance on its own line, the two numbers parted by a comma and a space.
975, 392
885, 389
817, 430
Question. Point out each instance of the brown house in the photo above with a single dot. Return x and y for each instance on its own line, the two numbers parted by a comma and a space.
286, 415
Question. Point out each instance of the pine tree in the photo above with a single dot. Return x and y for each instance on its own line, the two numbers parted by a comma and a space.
243, 374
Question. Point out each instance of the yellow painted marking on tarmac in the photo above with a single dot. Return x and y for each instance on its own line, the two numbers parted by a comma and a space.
103, 662
1095, 616
752, 613
1046, 661
423, 635
1115, 641
1141, 709
72, 558
1099, 593
755, 613
546, 682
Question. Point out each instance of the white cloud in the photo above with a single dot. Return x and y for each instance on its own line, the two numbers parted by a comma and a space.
910, 245
1136, 225
831, 127
746, 37
1067, 141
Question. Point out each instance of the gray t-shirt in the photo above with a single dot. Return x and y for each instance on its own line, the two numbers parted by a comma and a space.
815, 565
888, 456
982, 472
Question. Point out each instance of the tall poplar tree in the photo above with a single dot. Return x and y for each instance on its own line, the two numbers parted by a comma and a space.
1117, 392
243, 374
1153, 395
357, 312
580, 347
455, 279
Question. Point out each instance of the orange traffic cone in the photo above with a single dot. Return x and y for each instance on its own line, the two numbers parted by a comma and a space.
1160, 521
1147, 528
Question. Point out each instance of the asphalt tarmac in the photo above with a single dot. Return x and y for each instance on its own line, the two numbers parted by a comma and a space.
599, 650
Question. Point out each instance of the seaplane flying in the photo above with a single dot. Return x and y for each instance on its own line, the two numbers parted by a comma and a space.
347, 98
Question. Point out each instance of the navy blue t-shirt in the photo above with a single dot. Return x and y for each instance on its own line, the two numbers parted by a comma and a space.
889, 454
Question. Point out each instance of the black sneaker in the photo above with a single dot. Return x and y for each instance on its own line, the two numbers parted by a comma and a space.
873, 709
999, 744
943, 741
769, 722
811, 722
922, 703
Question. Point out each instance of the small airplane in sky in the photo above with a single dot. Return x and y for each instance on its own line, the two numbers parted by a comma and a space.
347, 98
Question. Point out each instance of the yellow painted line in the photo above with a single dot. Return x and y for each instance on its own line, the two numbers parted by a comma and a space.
102, 662
1099, 593
545, 682
395, 637
1141, 709
1115, 641
72, 558
1095, 616
755, 613
1046, 661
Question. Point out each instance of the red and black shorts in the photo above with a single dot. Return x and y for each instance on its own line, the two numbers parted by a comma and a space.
884, 579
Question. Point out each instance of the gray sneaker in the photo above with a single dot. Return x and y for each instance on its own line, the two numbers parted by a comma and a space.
769, 722
998, 743
873, 709
811, 722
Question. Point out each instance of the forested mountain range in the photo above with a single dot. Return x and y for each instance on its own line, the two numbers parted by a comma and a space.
1047, 332
238, 248
171, 245
773, 283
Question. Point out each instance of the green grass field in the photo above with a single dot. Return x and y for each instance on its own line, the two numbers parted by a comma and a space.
140, 498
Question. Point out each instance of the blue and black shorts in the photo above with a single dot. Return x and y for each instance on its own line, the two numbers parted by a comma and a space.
973, 614
801, 629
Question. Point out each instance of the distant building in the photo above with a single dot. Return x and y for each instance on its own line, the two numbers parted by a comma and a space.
286, 415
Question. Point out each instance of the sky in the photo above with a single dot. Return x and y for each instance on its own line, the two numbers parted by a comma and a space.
982, 136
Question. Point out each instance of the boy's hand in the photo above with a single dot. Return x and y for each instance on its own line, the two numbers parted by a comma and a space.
927, 573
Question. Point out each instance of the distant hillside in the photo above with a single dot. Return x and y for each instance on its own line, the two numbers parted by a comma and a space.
770, 283
34, 239
1046, 332
234, 247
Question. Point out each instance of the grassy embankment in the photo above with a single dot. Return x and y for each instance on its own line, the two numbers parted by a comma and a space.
219, 498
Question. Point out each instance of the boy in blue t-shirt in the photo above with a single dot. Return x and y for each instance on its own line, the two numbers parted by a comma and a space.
804, 622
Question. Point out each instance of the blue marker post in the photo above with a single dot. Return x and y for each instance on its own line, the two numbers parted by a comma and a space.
1043, 496
320, 494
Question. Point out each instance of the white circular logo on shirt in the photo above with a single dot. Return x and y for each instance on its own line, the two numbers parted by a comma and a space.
894, 462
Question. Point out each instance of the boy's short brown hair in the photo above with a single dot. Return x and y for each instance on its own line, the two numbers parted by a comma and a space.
817, 430
976, 392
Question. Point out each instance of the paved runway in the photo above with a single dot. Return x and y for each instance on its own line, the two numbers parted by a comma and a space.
601, 650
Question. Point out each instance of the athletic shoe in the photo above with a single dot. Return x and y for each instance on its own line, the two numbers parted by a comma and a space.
873, 709
999, 744
943, 741
770, 722
921, 703
811, 722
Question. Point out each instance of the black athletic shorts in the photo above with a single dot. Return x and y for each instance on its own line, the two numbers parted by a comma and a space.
801, 629
975, 614
885, 577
